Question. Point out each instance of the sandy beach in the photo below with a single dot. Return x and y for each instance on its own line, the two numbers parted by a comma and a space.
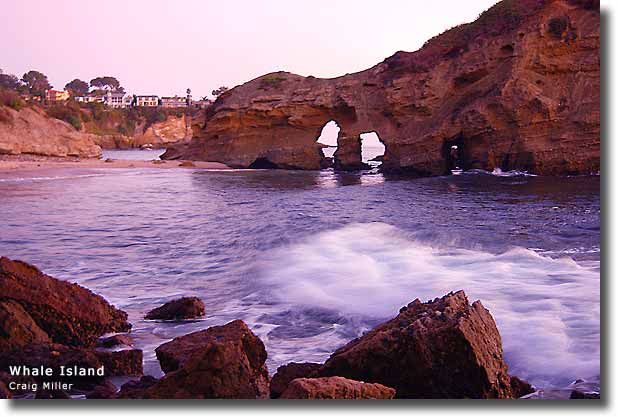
12, 163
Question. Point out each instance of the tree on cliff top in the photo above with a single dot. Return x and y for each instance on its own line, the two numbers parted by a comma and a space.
106, 83
77, 87
8, 81
36, 82
219, 91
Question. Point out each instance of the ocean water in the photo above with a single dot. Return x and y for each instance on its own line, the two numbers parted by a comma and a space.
311, 260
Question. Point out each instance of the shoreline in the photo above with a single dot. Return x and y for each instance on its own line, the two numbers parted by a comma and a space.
17, 163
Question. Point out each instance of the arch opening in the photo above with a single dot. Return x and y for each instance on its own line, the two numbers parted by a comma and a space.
328, 138
372, 149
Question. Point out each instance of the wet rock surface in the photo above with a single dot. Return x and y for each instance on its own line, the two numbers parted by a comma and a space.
509, 90
445, 348
180, 309
335, 388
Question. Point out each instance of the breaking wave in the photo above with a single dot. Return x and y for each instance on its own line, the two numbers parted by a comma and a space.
547, 309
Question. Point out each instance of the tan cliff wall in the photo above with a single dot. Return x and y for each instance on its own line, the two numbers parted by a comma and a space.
160, 134
31, 131
518, 88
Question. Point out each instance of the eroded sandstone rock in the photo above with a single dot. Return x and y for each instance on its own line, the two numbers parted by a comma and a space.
286, 373
68, 313
31, 131
445, 348
220, 362
335, 388
518, 88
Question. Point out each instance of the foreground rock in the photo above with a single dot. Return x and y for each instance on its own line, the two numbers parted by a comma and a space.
17, 327
335, 388
519, 88
115, 340
286, 373
67, 313
220, 362
446, 348
180, 309
99, 364
31, 131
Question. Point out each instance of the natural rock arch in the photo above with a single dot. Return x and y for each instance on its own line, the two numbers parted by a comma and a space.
520, 96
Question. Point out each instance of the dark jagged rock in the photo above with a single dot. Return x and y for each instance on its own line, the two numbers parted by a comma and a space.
68, 313
286, 373
513, 90
220, 362
445, 348
579, 395
520, 387
335, 388
180, 309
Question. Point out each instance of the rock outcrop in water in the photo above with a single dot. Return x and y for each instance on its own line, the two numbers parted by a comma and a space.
179, 309
445, 348
67, 313
220, 362
31, 131
45, 322
518, 89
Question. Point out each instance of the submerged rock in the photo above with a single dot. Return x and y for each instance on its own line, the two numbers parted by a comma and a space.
286, 373
445, 348
220, 362
68, 313
180, 309
335, 388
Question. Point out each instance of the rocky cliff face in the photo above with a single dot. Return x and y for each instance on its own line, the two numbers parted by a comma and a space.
159, 135
518, 88
30, 131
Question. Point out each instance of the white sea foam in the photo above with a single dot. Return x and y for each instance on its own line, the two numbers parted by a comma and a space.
547, 310
497, 172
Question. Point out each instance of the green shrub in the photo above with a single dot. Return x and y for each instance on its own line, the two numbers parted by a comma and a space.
271, 81
11, 99
68, 114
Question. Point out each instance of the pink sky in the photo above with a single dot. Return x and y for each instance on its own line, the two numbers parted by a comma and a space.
163, 47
